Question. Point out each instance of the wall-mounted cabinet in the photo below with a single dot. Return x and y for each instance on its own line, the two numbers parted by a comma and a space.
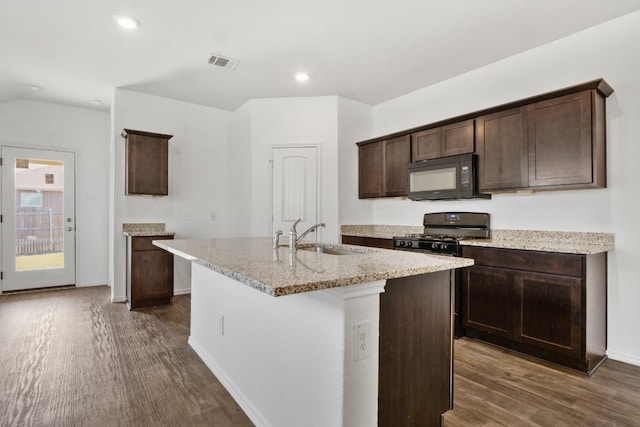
443, 141
557, 143
147, 163
566, 141
553, 141
501, 145
382, 168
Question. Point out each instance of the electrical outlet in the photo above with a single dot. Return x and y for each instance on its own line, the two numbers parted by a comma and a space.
213, 215
221, 325
362, 340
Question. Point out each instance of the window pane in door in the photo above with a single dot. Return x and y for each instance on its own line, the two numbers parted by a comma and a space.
39, 225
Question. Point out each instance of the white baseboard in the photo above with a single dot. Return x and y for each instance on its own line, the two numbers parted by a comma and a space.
119, 299
237, 395
631, 360
181, 291
90, 284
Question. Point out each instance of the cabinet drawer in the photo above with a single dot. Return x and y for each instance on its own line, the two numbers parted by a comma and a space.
545, 262
374, 242
144, 243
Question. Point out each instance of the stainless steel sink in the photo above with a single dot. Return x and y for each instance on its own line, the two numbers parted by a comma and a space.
327, 250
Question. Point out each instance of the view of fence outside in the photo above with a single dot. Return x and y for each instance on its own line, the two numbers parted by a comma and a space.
39, 240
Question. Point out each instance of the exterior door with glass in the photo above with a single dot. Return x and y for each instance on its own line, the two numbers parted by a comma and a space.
38, 218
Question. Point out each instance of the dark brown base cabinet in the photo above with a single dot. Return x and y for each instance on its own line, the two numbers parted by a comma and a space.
149, 273
552, 306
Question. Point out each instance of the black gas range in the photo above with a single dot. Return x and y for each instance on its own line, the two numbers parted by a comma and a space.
442, 234
443, 231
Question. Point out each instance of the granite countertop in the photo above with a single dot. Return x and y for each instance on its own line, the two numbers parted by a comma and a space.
253, 262
547, 241
380, 231
533, 240
138, 229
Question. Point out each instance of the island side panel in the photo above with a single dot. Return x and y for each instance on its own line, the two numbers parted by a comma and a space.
416, 349
283, 359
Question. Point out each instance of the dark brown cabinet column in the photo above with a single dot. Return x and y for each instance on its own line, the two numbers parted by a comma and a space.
415, 385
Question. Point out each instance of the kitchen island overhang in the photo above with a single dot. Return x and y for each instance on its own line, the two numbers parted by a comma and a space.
294, 336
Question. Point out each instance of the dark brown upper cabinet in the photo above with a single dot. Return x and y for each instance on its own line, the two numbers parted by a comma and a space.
382, 168
501, 145
552, 141
147, 163
567, 141
449, 140
556, 143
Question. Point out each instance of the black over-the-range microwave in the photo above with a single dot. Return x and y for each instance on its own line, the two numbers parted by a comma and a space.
453, 177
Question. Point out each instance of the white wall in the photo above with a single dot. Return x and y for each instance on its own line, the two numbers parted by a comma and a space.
291, 121
355, 123
241, 172
33, 124
603, 51
199, 183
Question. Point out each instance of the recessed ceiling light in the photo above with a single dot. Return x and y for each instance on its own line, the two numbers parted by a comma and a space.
302, 77
34, 87
126, 21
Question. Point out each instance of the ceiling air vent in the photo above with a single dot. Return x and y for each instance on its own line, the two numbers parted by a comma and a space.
223, 62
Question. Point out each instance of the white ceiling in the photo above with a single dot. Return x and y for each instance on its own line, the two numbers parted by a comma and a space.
366, 50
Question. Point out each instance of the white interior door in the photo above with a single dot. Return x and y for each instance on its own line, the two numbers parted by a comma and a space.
38, 218
295, 189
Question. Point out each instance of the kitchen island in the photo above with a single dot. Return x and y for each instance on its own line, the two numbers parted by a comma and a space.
294, 336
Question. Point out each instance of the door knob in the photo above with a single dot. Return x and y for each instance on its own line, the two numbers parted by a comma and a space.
69, 228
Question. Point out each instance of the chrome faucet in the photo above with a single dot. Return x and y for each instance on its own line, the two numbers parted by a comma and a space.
276, 239
293, 234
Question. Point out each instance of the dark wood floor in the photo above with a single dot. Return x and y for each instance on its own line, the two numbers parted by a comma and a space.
494, 387
71, 357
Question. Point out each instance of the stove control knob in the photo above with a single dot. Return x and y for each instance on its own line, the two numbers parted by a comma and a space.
409, 244
401, 243
443, 246
434, 245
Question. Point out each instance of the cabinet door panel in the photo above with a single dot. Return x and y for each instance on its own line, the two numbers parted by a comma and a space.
370, 170
147, 165
502, 150
560, 142
488, 300
151, 274
550, 312
425, 145
457, 138
397, 157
